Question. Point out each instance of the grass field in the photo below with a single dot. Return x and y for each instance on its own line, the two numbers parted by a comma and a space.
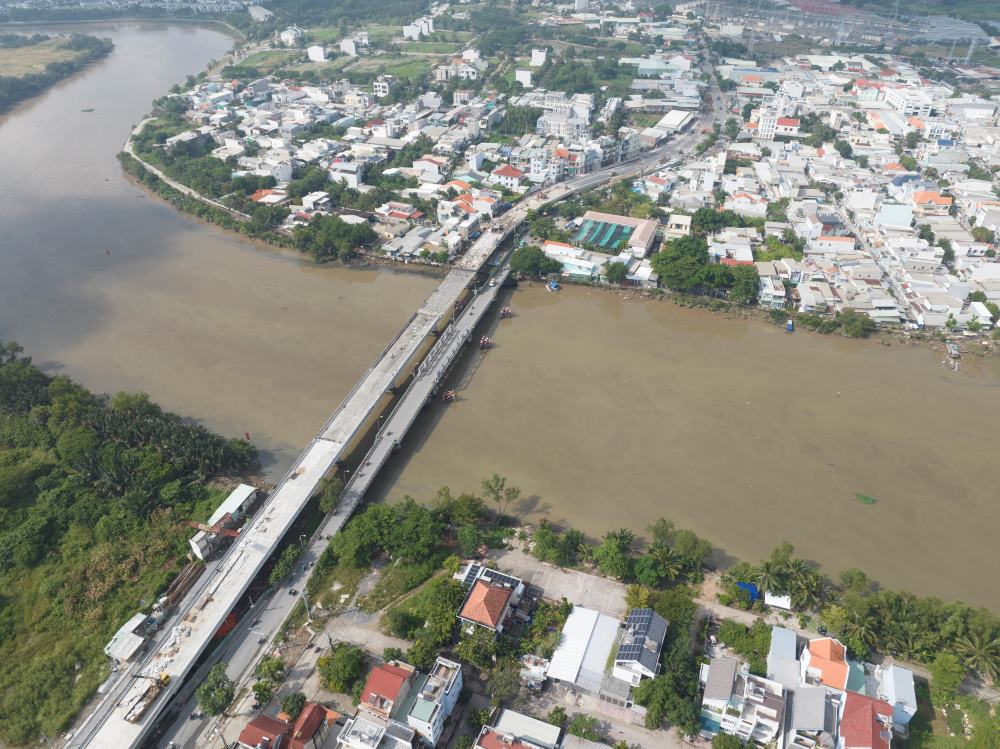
270, 60
433, 47
401, 67
320, 68
25, 60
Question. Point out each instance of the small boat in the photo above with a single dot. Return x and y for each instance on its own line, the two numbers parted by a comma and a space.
864, 498
89, 109
552, 286
790, 326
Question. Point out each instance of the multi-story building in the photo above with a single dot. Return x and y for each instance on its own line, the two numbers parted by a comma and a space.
735, 702
433, 699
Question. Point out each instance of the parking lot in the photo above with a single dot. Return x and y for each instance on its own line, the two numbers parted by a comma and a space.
590, 591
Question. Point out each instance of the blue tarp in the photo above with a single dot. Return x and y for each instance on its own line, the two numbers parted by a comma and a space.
751, 590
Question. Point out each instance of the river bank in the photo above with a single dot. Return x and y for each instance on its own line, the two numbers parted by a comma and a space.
44, 62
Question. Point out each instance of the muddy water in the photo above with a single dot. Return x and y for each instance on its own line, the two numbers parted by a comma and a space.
610, 413
120, 291
607, 413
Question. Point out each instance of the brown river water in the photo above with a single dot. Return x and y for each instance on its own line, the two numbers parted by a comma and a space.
607, 412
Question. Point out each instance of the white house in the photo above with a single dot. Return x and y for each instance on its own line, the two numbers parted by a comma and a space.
523, 77
316, 53
436, 697
508, 176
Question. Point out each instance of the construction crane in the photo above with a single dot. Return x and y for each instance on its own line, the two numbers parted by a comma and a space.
219, 529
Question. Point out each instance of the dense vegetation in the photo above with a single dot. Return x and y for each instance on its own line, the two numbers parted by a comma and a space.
866, 617
92, 492
14, 89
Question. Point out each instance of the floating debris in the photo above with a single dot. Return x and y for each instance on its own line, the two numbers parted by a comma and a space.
865, 499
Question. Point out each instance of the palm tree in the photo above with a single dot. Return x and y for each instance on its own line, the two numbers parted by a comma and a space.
770, 576
981, 654
585, 553
807, 591
624, 538
669, 560
859, 633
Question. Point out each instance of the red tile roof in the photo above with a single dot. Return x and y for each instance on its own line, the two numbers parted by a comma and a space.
788, 121
829, 657
309, 721
263, 731
485, 604
507, 171
860, 728
384, 683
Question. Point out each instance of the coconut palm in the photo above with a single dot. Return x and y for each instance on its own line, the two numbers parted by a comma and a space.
668, 559
771, 576
859, 633
981, 653
624, 538
807, 590
585, 553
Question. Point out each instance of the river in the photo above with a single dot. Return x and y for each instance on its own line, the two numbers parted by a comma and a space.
610, 413
607, 412
121, 292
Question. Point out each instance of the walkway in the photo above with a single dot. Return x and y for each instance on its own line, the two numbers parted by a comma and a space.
129, 148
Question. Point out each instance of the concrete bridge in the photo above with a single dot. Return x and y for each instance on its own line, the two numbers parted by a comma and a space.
413, 364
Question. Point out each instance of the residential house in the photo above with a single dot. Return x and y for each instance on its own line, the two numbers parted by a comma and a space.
740, 704
930, 203
490, 598
895, 688
265, 731
865, 723
366, 730
638, 653
824, 662
513, 730
386, 688
508, 177
745, 204
678, 225
433, 699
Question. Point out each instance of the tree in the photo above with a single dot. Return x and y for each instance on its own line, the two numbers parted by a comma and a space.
531, 261
341, 668
504, 680
557, 716
946, 676
217, 691
612, 556
270, 671
981, 653
636, 597
584, 726
648, 571
477, 647
858, 633
616, 273
329, 494
746, 283
731, 128
292, 704
949, 253
671, 564
495, 487
982, 234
